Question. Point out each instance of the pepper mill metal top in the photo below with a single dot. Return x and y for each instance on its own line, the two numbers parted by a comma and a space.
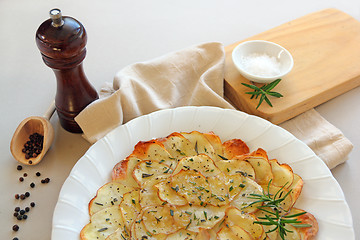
56, 17
61, 41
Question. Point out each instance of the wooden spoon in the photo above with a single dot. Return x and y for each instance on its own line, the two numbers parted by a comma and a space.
30, 126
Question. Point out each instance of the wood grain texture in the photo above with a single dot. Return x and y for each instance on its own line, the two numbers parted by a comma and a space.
325, 46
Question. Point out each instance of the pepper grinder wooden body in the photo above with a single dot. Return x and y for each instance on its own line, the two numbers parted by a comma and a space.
61, 41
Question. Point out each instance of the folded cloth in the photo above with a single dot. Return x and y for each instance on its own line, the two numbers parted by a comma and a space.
190, 77
327, 141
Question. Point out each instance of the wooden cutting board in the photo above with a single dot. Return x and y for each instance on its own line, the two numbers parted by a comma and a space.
325, 46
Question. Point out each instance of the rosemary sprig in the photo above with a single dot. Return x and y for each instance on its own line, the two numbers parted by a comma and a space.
263, 91
275, 215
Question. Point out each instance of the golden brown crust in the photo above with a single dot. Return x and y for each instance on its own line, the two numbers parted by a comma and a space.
141, 148
119, 170
308, 233
234, 147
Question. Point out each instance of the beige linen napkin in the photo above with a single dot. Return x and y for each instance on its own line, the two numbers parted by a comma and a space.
191, 77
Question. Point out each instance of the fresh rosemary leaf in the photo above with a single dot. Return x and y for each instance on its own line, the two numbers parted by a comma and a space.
263, 91
274, 214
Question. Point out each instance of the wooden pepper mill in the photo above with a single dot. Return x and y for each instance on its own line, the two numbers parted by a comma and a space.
61, 41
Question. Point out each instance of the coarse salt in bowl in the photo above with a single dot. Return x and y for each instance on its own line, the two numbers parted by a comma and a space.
262, 61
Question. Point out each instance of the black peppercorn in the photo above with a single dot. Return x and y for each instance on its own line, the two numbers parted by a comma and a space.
32, 204
22, 196
19, 217
27, 194
32, 185
15, 227
38, 174
19, 167
15, 238
17, 196
22, 212
17, 209
25, 216
27, 209
21, 179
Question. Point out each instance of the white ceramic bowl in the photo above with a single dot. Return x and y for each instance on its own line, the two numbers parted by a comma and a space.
254, 60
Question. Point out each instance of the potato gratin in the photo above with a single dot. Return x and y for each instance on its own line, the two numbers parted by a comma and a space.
193, 186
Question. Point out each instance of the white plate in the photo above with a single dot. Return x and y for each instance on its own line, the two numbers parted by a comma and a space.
321, 196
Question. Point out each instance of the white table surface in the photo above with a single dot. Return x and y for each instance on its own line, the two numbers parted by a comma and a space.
120, 33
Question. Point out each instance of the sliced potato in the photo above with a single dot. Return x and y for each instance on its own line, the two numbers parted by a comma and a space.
178, 146
154, 150
259, 153
200, 143
282, 174
215, 141
182, 235
201, 163
159, 219
296, 188
168, 194
139, 231
262, 168
236, 166
307, 218
118, 235
278, 193
122, 171
130, 207
192, 186
233, 148
203, 234
149, 193
225, 233
243, 201
108, 195
195, 218
220, 195
240, 233
233, 233
245, 221
149, 169
103, 223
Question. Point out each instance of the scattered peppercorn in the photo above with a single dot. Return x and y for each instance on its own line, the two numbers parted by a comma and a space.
19, 217
25, 216
16, 214
17, 196
21, 179
30, 162
22, 196
38, 174
15, 228
25, 175
17, 209
27, 209
15, 238
27, 194
19, 167
32, 185
32, 204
